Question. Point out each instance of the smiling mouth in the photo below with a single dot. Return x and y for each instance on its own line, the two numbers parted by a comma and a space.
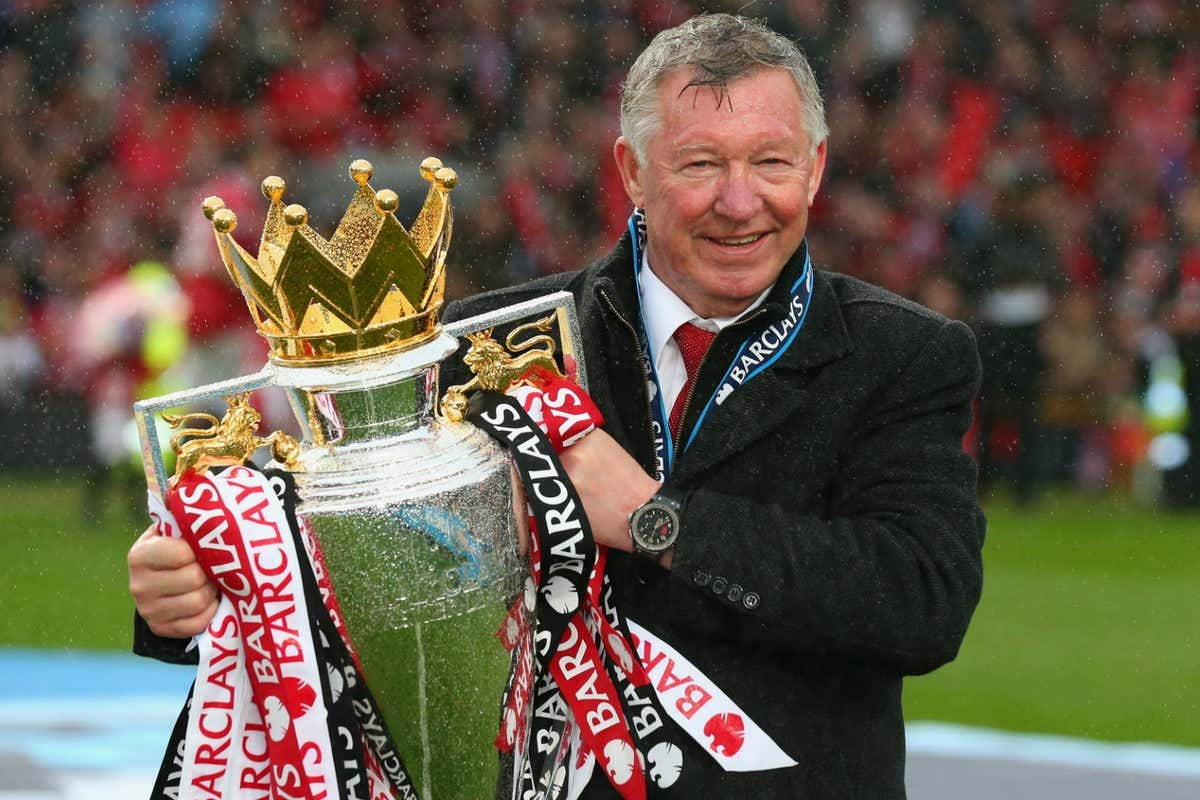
737, 241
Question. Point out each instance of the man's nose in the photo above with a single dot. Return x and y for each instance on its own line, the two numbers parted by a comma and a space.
737, 198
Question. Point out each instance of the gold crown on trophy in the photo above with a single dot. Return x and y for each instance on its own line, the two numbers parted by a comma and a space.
371, 288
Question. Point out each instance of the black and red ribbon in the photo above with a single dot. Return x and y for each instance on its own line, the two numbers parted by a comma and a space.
588, 683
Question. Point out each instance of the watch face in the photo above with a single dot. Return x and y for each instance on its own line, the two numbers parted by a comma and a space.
656, 527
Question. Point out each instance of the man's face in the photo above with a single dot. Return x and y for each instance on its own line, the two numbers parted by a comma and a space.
726, 187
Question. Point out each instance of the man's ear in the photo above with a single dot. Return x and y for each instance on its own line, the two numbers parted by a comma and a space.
818, 169
630, 169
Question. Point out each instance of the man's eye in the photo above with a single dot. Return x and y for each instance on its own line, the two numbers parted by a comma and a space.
700, 164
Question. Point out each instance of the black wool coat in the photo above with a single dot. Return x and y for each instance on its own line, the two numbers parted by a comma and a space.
832, 490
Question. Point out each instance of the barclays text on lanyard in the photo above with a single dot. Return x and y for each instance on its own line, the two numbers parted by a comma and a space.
756, 353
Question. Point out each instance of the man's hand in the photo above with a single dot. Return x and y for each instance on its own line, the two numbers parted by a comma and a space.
172, 592
610, 484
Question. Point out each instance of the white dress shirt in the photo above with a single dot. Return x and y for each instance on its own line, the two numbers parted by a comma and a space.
664, 312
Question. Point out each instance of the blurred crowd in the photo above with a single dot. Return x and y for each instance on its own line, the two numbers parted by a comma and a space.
1030, 167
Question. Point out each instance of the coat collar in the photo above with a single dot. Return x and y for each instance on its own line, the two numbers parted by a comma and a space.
758, 407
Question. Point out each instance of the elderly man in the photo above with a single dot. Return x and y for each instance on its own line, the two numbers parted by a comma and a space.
780, 468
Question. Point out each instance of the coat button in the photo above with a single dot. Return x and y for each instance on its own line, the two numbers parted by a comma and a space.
701, 578
751, 601
734, 594
719, 585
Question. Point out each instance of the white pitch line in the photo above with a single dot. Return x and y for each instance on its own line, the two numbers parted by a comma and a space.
960, 741
105, 711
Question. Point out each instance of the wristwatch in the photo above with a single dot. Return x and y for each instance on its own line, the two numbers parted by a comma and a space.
654, 525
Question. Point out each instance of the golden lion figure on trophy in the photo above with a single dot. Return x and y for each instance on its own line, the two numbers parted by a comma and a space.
227, 441
495, 367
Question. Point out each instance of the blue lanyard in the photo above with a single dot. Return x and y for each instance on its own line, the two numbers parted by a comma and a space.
757, 352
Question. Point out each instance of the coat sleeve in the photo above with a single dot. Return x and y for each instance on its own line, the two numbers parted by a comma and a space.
149, 644
891, 575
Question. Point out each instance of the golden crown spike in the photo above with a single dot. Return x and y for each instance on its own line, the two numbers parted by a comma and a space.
371, 288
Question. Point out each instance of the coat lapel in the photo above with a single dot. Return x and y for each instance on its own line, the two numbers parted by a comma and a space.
769, 399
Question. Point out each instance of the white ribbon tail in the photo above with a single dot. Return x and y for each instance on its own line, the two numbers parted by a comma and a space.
699, 707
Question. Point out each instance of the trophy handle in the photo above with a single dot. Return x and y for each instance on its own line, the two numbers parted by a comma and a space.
561, 304
146, 411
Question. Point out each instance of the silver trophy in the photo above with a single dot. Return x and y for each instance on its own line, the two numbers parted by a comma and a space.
413, 507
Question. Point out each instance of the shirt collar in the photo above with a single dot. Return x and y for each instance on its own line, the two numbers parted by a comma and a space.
665, 311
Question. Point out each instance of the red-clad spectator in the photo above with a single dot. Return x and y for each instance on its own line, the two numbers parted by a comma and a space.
313, 103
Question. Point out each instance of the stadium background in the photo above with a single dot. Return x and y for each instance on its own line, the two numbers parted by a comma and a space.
1029, 167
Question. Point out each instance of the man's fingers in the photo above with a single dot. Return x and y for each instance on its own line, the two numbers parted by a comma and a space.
161, 553
146, 584
155, 552
163, 609
184, 626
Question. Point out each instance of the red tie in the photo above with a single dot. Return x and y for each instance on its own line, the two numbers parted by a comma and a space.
693, 344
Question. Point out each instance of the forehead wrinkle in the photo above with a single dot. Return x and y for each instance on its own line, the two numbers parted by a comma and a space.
756, 145
779, 144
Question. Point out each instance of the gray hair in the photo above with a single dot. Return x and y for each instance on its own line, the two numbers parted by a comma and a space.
718, 48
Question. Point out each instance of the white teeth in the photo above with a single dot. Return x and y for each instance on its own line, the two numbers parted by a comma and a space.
741, 240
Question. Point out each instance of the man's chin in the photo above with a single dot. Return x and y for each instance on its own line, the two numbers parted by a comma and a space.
730, 299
